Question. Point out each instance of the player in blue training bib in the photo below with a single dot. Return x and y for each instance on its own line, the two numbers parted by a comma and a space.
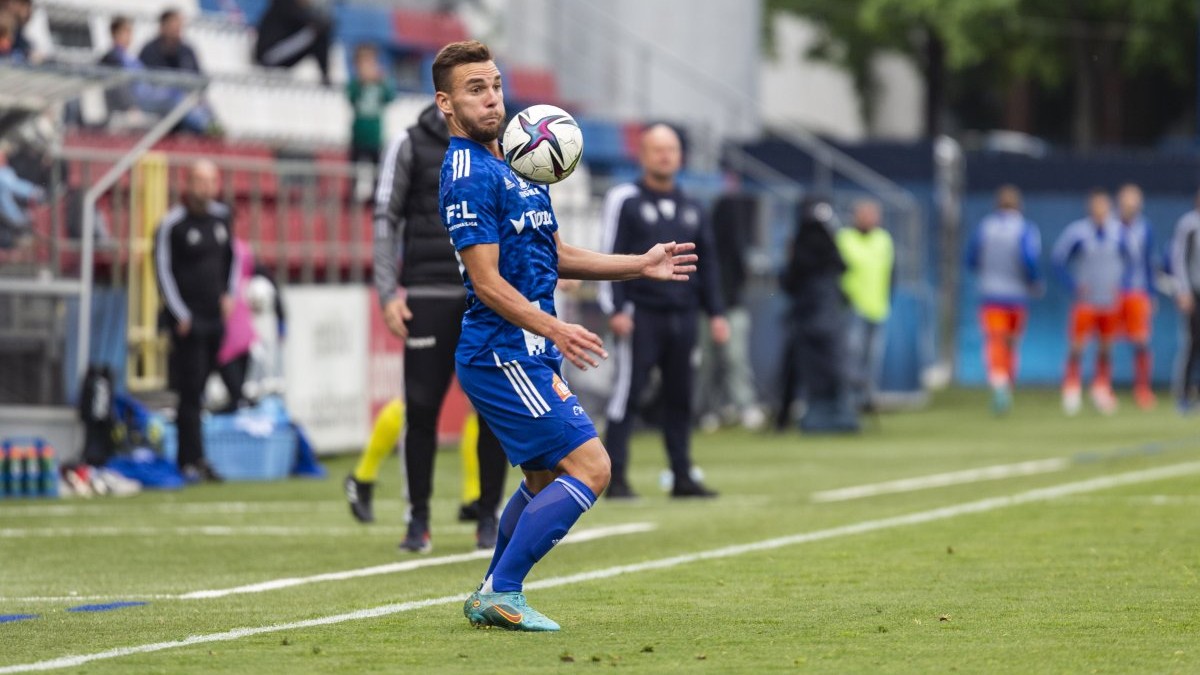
510, 354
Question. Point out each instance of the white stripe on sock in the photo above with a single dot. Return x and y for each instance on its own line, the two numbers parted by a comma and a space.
584, 502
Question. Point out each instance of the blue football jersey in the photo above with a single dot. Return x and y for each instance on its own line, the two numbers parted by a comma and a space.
484, 202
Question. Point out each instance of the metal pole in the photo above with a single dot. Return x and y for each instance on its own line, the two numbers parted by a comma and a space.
87, 263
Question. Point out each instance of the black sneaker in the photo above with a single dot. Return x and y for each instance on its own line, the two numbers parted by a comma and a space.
358, 495
468, 512
619, 489
487, 532
687, 488
417, 539
200, 472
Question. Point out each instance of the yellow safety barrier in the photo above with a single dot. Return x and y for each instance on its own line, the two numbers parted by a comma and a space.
146, 367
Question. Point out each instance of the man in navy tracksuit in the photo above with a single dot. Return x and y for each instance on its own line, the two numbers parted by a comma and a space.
656, 324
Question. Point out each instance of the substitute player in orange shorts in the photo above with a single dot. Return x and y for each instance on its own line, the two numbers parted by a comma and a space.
1091, 258
1137, 307
1003, 253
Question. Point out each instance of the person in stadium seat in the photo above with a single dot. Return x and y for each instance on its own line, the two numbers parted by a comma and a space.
169, 51
1137, 304
870, 259
1091, 259
512, 347
1185, 268
420, 290
1003, 253
20, 11
8, 41
16, 195
193, 257
291, 31
131, 99
655, 324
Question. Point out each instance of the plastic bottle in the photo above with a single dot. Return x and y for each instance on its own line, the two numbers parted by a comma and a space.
33, 472
5, 474
16, 471
48, 468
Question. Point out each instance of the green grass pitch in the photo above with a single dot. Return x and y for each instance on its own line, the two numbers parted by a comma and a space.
1099, 578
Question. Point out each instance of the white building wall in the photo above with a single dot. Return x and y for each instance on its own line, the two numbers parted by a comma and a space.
821, 97
694, 61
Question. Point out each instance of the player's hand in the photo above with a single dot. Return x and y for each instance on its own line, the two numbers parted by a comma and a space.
669, 261
183, 328
579, 345
1185, 302
718, 326
226, 306
395, 314
621, 324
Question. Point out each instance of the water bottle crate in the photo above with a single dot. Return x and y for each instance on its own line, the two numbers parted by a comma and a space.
28, 468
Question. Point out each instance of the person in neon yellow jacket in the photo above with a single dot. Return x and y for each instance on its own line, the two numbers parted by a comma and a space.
385, 434
870, 260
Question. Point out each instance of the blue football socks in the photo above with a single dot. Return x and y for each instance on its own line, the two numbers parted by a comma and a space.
544, 521
508, 523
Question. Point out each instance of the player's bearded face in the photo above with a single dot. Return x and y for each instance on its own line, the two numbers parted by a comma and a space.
478, 101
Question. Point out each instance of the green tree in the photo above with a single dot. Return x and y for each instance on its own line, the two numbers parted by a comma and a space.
1092, 47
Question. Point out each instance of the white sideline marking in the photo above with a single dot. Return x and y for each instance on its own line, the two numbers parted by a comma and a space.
199, 531
275, 584
1041, 494
105, 508
590, 534
943, 479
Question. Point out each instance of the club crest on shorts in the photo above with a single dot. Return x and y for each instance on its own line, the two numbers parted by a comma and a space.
560, 388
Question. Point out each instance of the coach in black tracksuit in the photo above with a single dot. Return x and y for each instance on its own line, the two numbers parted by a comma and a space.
193, 256
655, 324
427, 315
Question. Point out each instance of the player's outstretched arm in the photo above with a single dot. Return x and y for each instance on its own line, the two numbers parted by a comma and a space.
579, 345
664, 262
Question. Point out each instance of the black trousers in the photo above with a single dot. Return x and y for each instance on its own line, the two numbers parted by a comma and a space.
1189, 381
428, 366
233, 374
288, 50
662, 339
193, 359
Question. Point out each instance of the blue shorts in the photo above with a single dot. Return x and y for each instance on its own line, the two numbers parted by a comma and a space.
528, 405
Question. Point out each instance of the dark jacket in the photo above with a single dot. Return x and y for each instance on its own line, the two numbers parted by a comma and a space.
734, 219
813, 274
408, 224
193, 259
156, 54
645, 218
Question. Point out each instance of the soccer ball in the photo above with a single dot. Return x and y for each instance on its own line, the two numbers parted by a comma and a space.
543, 144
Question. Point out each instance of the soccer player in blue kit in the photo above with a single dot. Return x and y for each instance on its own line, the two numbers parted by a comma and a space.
510, 354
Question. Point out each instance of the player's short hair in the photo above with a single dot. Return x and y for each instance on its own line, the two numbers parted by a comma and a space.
456, 54
1130, 187
118, 23
167, 15
1008, 196
1096, 193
